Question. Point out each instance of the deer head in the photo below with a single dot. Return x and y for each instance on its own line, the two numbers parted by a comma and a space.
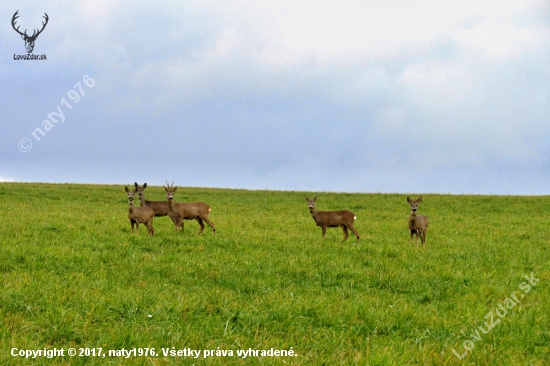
130, 194
170, 189
140, 189
29, 40
414, 203
311, 203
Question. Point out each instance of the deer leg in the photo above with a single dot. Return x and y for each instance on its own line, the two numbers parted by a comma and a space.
355, 232
345, 233
179, 223
211, 225
173, 218
132, 225
199, 220
324, 230
150, 228
412, 234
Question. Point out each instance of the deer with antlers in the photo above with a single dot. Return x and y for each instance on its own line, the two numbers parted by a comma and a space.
29, 40
188, 211
161, 208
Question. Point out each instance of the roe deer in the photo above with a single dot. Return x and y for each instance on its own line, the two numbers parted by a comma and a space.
160, 207
418, 224
139, 215
187, 211
325, 219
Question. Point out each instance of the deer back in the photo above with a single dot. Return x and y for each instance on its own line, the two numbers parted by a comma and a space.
333, 218
140, 214
192, 210
160, 207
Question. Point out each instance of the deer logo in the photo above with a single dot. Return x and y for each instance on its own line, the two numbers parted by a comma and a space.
29, 40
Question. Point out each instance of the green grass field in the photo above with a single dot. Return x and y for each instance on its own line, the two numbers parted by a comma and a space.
74, 277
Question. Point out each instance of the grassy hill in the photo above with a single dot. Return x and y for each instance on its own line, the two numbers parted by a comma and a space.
72, 276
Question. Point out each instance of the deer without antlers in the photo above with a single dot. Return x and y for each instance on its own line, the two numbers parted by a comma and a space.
188, 211
418, 224
324, 219
139, 215
29, 40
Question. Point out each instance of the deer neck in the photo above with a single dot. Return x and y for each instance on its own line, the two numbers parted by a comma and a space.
142, 201
130, 206
412, 218
313, 211
171, 205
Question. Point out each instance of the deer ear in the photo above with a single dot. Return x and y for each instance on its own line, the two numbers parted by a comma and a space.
307, 199
419, 199
408, 199
175, 188
126, 189
144, 185
315, 199
135, 184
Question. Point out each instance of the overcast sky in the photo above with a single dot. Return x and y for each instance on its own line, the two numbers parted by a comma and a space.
358, 96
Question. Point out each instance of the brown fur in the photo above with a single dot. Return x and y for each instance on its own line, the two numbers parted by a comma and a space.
139, 215
418, 224
324, 219
160, 207
188, 211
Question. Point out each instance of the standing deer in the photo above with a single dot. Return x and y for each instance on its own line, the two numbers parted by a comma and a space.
139, 215
187, 211
325, 219
160, 207
418, 224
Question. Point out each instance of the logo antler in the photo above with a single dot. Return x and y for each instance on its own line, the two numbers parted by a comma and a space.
29, 40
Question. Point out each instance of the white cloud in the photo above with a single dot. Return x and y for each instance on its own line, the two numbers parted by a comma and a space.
496, 41
419, 84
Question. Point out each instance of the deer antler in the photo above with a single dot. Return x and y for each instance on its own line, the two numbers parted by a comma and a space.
34, 34
13, 20
43, 26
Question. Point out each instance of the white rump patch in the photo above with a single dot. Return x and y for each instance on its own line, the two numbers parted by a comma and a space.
354, 218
